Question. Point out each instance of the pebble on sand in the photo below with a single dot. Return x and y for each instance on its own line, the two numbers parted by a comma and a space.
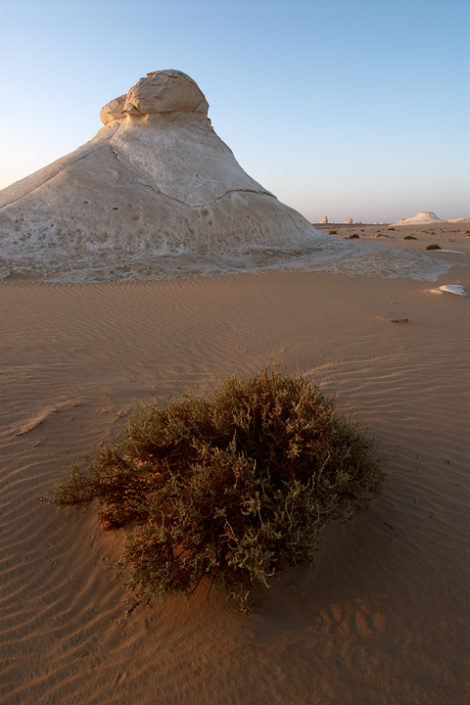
453, 289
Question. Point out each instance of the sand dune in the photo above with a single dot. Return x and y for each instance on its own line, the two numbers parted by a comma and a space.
383, 620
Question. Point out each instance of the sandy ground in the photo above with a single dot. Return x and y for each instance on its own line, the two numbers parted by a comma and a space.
383, 620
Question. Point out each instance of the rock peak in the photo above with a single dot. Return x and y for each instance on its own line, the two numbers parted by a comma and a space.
159, 92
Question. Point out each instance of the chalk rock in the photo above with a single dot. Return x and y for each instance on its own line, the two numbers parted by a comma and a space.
156, 193
166, 92
419, 218
114, 110
324, 220
159, 92
348, 221
453, 289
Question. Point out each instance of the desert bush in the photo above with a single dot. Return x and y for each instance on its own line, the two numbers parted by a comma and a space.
233, 488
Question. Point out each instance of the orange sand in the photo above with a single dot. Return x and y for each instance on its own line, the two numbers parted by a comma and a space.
383, 620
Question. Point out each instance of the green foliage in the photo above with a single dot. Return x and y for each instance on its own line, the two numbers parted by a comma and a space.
234, 488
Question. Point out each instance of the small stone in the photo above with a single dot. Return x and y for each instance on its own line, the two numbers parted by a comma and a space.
354, 236
433, 247
453, 289
399, 320
332, 232
410, 237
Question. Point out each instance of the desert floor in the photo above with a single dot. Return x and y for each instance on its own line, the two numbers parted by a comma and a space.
382, 620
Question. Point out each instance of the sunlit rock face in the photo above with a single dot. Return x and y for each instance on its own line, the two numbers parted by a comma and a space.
420, 218
159, 92
156, 193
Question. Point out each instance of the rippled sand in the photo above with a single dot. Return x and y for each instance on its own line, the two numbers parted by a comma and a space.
383, 620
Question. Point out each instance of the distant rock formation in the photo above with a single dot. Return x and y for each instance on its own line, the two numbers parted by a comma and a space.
324, 220
419, 219
348, 221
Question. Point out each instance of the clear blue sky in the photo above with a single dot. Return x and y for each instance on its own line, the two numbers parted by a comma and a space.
340, 108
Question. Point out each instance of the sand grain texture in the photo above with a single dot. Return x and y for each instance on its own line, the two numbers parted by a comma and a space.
383, 620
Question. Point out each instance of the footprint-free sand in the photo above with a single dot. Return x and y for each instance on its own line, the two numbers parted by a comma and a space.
382, 620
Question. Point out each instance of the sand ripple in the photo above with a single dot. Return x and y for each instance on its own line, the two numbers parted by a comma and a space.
382, 619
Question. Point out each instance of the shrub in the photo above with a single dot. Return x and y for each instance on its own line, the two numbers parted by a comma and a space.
234, 488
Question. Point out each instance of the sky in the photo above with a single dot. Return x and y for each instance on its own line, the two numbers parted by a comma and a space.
340, 108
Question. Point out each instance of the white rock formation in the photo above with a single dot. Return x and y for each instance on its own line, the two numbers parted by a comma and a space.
348, 221
324, 220
156, 194
159, 92
419, 219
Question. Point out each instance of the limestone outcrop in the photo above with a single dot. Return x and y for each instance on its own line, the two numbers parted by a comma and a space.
159, 92
420, 218
156, 193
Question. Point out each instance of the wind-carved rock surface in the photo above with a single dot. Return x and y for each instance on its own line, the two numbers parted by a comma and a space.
159, 92
156, 193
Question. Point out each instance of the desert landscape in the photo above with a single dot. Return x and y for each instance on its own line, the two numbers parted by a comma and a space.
383, 618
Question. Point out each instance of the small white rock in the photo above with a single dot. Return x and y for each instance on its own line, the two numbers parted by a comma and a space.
453, 289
